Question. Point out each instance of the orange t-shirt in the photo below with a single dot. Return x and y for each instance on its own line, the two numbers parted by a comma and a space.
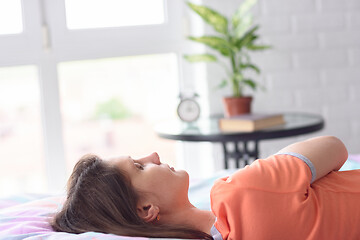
273, 198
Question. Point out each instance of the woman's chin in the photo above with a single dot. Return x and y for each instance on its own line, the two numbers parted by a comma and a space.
183, 175
182, 172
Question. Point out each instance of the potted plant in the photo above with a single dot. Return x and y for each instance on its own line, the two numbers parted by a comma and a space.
235, 38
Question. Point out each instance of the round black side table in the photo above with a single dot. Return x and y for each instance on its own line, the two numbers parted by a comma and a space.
207, 130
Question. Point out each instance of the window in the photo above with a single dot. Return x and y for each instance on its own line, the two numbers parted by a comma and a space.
113, 13
108, 106
10, 17
57, 61
22, 160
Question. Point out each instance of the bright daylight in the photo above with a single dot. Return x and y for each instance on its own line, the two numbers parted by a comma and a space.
166, 119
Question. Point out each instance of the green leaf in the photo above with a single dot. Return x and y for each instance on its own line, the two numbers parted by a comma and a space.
213, 18
112, 109
258, 47
251, 66
222, 84
201, 58
243, 26
242, 11
238, 77
216, 43
248, 38
250, 83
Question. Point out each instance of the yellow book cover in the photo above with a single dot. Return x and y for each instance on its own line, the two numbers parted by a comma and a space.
250, 122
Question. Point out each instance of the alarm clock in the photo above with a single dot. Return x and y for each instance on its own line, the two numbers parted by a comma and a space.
188, 109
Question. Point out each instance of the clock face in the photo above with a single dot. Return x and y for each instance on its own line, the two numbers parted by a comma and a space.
188, 110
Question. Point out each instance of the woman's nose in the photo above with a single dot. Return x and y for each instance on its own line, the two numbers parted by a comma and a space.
152, 158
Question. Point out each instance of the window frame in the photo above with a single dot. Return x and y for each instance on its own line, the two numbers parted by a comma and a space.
115, 41
46, 41
23, 48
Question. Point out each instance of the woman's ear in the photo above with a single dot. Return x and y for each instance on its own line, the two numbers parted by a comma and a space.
148, 212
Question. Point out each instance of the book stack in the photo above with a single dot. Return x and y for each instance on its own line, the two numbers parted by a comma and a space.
250, 122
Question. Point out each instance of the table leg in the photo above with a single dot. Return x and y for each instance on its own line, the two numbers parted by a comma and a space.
256, 150
226, 154
246, 154
238, 154
242, 155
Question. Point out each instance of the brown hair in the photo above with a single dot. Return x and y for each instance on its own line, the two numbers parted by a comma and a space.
100, 198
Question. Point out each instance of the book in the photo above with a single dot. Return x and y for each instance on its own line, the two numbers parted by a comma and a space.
250, 122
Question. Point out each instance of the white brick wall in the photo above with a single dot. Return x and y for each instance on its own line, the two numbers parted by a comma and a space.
317, 59
276, 24
313, 67
354, 19
354, 55
339, 6
341, 39
287, 7
315, 23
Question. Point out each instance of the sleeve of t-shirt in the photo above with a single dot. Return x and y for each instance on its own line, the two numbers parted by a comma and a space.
279, 172
305, 160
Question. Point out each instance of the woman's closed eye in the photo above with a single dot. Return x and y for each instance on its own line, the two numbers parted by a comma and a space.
139, 166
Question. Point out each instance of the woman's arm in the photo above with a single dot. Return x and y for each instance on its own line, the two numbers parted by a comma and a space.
326, 153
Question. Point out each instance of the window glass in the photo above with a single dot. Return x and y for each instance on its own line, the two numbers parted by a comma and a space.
10, 17
82, 14
21, 151
109, 106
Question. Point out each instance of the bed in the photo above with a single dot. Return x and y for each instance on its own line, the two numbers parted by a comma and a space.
26, 216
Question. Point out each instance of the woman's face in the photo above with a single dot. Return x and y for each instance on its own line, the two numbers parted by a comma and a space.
165, 185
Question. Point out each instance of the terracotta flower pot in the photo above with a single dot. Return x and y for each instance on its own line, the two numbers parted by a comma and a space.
237, 105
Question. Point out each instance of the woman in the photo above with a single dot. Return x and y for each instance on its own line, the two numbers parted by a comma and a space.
296, 194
